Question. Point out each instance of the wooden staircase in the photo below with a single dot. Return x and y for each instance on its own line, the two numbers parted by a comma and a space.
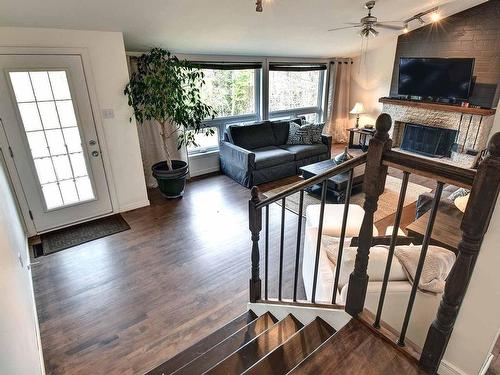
326, 338
264, 345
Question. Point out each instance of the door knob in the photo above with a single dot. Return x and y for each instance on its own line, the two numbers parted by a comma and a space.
95, 154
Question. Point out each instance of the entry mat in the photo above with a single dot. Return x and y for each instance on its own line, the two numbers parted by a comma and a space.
75, 235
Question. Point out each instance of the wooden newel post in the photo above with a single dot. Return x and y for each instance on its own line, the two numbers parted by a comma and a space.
255, 225
373, 187
474, 225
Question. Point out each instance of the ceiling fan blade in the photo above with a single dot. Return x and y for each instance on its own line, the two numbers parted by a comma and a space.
344, 27
388, 27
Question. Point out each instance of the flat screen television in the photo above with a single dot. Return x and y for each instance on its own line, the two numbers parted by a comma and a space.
436, 78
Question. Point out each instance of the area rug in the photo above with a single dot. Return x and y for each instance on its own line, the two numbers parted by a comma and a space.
77, 234
387, 204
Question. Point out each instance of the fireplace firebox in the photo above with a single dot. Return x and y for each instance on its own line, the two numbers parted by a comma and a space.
429, 141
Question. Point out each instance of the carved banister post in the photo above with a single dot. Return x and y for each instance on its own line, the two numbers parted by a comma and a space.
474, 225
373, 187
255, 225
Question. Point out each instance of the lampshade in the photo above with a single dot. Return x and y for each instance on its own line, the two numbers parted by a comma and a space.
358, 109
461, 202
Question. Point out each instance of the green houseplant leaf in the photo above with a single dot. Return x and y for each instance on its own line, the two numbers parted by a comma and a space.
167, 90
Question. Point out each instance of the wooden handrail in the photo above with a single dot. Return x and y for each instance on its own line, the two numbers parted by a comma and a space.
435, 170
342, 168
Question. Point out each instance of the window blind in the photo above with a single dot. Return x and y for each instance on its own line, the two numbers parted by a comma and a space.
288, 67
227, 66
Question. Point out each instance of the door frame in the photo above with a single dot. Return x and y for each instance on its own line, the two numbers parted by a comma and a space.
84, 55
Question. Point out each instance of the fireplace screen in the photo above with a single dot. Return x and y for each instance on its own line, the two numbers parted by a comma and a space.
430, 141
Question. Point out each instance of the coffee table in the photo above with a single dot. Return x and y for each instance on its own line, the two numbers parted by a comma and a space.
336, 185
445, 233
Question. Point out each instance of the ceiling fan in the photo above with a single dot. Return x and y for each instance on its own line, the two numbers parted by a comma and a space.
369, 22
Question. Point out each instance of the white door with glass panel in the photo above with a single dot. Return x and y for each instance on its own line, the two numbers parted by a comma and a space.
49, 125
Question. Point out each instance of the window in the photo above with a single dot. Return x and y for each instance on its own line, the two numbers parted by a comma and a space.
205, 143
230, 92
233, 90
50, 124
296, 90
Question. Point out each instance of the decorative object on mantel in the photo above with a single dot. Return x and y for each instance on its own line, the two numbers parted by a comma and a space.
357, 110
343, 157
258, 6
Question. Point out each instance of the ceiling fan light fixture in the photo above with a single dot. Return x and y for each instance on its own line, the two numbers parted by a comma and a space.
372, 32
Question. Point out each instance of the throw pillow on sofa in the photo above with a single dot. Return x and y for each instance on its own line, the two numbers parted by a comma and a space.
316, 130
298, 135
304, 135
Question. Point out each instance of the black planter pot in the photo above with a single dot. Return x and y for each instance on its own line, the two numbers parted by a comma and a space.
171, 182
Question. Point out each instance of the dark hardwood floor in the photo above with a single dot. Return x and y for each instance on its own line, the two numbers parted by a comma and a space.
126, 303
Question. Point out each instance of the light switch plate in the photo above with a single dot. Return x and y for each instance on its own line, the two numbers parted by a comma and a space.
108, 113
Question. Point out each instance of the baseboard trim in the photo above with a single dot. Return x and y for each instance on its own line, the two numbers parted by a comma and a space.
446, 368
134, 205
204, 171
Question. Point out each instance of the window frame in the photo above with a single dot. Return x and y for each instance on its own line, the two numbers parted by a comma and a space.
319, 109
262, 89
222, 122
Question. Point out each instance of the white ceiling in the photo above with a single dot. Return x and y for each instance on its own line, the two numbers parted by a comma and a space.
285, 28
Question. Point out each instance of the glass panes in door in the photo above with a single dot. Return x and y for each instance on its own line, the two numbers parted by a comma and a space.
48, 116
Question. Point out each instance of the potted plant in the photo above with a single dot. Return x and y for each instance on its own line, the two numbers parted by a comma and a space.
167, 90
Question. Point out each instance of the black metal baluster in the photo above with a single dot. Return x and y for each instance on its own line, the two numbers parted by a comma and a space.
421, 260
282, 243
342, 236
397, 221
266, 250
297, 252
324, 186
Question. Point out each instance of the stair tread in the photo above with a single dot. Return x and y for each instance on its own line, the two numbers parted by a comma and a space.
355, 349
292, 352
204, 344
248, 355
227, 346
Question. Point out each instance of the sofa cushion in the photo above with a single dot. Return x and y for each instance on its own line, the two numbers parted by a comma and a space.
305, 151
270, 156
298, 135
280, 130
251, 137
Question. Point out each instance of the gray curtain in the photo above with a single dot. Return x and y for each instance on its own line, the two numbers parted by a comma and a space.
338, 100
150, 141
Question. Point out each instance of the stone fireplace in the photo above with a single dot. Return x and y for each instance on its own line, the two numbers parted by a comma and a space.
472, 126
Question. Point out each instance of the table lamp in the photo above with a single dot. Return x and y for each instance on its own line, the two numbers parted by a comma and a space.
357, 110
461, 202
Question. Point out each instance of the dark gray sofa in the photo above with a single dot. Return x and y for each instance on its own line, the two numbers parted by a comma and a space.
258, 153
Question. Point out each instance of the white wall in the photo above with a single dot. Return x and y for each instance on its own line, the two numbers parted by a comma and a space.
109, 70
371, 79
19, 337
478, 323
479, 319
203, 163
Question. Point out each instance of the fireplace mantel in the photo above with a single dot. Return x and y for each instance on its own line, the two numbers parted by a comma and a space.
473, 125
440, 107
